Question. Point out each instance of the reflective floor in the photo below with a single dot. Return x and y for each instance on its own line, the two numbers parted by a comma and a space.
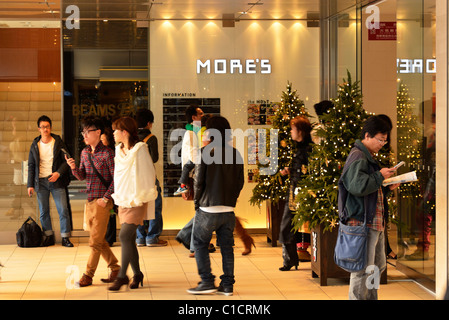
49, 273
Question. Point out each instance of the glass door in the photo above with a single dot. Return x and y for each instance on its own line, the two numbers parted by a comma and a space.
416, 137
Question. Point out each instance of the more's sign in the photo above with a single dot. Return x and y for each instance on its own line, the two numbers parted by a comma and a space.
417, 65
234, 66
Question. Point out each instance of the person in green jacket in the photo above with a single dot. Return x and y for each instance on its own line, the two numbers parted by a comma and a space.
361, 195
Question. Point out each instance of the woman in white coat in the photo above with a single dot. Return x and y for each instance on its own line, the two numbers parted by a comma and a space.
135, 192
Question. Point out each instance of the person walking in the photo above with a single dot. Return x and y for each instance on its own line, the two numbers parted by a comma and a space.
217, 186
49, 173
135, 192
97, 168
190, 146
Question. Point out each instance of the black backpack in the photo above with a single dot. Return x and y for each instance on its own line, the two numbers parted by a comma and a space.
29, 234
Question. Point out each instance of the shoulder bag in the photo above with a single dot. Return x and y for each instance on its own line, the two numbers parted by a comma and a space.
351, 248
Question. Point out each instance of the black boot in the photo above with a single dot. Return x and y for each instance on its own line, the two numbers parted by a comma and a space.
290, 256
66, 242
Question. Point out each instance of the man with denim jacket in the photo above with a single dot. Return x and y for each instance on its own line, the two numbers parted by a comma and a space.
361, 194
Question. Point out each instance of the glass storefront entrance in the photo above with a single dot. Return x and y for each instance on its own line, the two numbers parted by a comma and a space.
395, 62
416, 135
106, 74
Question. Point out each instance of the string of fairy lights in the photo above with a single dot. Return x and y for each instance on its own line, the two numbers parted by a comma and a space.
409, 141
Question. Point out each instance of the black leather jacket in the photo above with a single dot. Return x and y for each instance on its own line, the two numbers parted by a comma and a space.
218, 184
300, 158
59, 164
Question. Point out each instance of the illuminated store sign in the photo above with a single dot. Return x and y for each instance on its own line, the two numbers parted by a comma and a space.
417, 65
104, 110
223, 66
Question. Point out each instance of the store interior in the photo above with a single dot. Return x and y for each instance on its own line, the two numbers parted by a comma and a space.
67, 59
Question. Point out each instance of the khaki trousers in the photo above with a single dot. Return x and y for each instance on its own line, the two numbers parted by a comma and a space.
97, 219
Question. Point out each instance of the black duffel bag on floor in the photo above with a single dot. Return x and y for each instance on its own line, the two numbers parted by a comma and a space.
29, 235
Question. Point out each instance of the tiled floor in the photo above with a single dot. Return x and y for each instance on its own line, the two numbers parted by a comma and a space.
49, 273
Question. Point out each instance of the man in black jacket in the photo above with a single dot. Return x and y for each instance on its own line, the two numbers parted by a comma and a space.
48, 172
218, 181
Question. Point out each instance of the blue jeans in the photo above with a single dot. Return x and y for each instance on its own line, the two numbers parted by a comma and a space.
155, 226
186, 235
60, 198
204, 225
360, 284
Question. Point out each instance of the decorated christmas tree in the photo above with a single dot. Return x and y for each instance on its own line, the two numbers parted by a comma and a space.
409, 142
317, 192
274, 186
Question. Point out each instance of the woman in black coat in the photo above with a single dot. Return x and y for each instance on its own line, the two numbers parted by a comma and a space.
302, 141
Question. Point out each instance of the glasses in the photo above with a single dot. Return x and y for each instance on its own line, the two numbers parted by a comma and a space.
45, 127
86, 132
382, 142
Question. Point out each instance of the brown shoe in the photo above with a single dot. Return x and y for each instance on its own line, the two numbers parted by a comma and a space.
85, 281
112, 277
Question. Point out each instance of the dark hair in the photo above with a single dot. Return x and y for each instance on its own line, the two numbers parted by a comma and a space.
129, 125
204, 119
109, 137
190, 112
143, 116
374, 125
322, 107
43, 119
386, 119
93, 121
303, 125
222, 125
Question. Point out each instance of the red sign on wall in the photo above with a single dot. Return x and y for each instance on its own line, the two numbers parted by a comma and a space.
386, 31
